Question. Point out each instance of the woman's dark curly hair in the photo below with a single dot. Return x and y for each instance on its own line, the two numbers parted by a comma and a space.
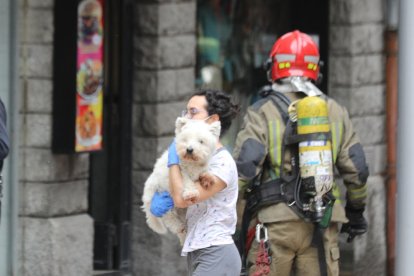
219, 103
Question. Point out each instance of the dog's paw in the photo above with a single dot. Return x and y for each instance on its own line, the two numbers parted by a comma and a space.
206, 180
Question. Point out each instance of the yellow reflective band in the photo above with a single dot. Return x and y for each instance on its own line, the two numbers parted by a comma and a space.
358, 192
310, 66
242, 184
272, 150
363, 189
355, 197
279, 149
275, 145
337, 129
287, 65
337, 193
334, 140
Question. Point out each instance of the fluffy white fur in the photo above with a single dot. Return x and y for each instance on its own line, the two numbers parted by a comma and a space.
195, 143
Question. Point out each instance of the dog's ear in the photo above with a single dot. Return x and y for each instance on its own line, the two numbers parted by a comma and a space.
179, 123
215, 128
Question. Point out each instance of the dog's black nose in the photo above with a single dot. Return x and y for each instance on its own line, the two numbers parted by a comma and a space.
189, 150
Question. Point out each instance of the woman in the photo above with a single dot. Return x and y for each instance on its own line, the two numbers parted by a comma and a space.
211, 217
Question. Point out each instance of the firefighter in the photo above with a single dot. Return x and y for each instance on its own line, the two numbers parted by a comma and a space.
295, 239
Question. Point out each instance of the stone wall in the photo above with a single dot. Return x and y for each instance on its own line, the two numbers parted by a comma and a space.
164, 60
56, 234
357, 80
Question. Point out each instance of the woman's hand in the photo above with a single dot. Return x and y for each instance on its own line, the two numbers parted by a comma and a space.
161, 203
173, 158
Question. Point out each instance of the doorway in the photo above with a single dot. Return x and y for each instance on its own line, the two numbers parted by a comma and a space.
110, 168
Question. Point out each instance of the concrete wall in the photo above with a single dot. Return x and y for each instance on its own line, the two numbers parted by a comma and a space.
357, 80
164, 61
56, 234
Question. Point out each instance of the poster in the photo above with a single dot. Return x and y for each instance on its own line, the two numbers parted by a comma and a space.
89, 77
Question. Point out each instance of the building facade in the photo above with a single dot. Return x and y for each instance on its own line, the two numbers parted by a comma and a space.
74, 213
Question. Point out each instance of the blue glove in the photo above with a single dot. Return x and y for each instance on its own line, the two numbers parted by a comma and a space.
173, 158
161, 203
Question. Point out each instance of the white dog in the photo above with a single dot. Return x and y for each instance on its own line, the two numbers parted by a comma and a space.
195, 142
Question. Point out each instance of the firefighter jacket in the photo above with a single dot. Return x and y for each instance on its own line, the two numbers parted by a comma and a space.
258, 151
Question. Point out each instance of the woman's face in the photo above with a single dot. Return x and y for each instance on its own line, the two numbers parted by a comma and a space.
196, 108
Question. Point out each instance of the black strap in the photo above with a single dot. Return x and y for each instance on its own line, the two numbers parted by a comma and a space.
282, 103
294, 139
317, 241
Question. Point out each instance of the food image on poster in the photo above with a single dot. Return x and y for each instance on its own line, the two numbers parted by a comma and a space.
89, 78
88, 126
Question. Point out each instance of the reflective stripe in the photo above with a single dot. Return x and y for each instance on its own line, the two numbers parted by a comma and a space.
357, 193
311, 59
284, 57
275, 145
334, 140
337, 193
336, 130
242, 184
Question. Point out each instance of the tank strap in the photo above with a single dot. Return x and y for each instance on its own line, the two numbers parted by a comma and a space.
282, 103
317, 241
296, 138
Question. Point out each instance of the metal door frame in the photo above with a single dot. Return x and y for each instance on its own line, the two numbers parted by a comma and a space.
9, 93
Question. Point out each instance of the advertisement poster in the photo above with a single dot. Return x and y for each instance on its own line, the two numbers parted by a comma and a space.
89, 78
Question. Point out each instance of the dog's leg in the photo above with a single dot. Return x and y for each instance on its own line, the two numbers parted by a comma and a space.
190, 190
176, 224
155, 223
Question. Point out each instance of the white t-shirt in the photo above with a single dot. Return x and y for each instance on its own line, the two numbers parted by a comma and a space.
213, 221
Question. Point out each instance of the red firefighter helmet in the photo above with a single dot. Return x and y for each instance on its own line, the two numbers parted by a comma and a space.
294, 54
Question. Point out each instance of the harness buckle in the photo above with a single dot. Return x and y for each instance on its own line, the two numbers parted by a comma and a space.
291, 202
259, 227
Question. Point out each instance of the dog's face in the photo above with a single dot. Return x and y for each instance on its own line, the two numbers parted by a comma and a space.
195, 140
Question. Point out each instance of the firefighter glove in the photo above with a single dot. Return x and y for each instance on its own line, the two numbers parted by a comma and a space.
161, 203
173, 158
357, 224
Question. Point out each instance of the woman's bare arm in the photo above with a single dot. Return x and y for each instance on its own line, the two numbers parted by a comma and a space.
176, 188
